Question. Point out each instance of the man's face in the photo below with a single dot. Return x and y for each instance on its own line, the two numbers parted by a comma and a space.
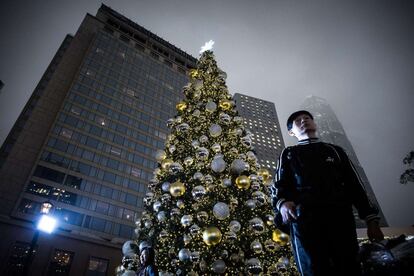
301, 125
144, 256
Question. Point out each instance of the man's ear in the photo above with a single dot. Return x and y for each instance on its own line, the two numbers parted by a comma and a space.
290, 132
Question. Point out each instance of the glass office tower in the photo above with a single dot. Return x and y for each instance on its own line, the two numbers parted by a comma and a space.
260, 118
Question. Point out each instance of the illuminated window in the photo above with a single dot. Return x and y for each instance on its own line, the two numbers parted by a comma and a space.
136, 172
76, 110
60, 263
100, 120
17, 258
97, 267
66, 133
115, 151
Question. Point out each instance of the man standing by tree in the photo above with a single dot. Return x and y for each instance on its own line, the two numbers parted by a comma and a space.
315, 188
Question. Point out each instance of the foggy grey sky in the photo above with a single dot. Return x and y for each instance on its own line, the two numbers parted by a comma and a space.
357, 55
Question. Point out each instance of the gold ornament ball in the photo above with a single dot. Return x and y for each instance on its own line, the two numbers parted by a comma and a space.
225, 104
166, 163
264, 174
243, 182
280, 237
181, 106
212, 235
177, 189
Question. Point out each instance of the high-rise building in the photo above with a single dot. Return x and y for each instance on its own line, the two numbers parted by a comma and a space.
85, 142
260, 118
330, 130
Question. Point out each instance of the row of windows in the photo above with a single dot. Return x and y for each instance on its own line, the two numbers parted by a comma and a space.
109, 136
79, 183
97, 158
59, 264
123, 98
103, 37
110, 150
148, 89
104, 122
130, 113
125, 64
131, 60
92, 171
61, 195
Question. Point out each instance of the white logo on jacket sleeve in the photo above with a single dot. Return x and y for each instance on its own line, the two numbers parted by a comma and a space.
330, 159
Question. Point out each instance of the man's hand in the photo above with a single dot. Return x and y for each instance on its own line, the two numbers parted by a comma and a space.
374, 231
288, 211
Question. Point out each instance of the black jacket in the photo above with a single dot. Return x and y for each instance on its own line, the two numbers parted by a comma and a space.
314, 173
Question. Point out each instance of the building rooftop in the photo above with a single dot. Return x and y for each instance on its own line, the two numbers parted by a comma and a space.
138, 27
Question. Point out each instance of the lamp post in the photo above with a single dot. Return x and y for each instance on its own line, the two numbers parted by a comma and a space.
45, 223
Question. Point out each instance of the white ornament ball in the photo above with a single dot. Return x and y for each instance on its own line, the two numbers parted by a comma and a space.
184, 255
211, 106
218, 164
219, 266
235, 226
215, 130
129, 248
221, 210
237, 166
166, 186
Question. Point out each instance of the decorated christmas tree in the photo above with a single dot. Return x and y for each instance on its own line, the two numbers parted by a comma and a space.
207, 210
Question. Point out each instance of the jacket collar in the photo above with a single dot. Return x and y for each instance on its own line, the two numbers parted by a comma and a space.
308, 141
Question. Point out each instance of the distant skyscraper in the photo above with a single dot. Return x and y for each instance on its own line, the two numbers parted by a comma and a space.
85, 141
261, 119
331, 131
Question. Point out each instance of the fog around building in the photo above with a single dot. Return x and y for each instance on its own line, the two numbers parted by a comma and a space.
358, 55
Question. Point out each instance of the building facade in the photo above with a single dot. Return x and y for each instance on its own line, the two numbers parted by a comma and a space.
330, 130
85, 142
260, 118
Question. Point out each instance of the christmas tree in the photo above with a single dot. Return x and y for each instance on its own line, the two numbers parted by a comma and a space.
207, 210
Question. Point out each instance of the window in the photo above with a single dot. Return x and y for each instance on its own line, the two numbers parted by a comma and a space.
60, 263
17, 258
131, 199
128, 214
29, 207
109, 177
106, 192
125, 231
67, 133
97, 267
113, 164
69, 216
115, 151
75, 110
49, 174
97, 224
135, 172
100, 120
102, 207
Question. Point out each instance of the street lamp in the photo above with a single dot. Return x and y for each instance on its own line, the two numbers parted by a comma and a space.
45, 223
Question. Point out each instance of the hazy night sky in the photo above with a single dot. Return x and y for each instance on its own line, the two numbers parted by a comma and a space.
357, 55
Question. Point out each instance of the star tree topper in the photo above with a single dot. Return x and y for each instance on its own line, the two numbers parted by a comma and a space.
207, 46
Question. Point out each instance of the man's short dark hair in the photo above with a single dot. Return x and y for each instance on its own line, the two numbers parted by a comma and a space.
294, 115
